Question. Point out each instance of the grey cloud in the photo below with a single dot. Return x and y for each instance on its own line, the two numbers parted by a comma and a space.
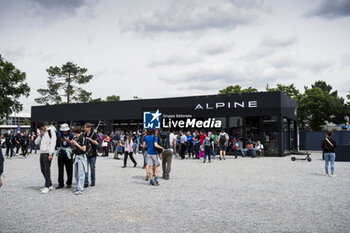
197, 15
61, 7
290, 62
258, 53
216, 48
12, 53
205, 79
176, 59
331, 9
279, 41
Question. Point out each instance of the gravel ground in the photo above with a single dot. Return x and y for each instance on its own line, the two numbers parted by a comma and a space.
236, 195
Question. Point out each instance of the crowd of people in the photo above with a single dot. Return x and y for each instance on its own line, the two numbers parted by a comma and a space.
78, 148
20, 142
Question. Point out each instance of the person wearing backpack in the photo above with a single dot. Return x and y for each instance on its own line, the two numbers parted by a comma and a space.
223, 142
328, 145
208, 147
91, 154
65, 156
152, 156
167, 155
47, 142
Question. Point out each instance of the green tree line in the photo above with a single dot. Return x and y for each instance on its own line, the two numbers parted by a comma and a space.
317, 104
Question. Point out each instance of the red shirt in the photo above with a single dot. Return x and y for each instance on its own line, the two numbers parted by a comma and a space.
201, 139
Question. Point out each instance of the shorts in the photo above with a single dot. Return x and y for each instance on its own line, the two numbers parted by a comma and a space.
153, 160
222, 146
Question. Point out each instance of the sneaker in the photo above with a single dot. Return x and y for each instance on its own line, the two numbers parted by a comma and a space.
155, 183
203, 161
327, 175
209, 161
333, 175
78, 192
86, 185
60, 187
135, 164
45, 190
69, 186
92, 184
147, 178
51, 188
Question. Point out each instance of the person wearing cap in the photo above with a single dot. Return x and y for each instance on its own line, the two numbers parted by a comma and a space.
64, 154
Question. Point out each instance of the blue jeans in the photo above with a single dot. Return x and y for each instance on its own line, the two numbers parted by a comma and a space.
145, 159
32, 146
79, 171
329, 157
91, 162
213, 152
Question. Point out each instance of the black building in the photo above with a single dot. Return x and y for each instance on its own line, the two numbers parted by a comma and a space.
266, 116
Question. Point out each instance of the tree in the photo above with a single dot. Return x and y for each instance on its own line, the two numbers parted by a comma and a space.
319, 105
63, 82
236, 90
12, 87
112, 98
97, 100
289, 90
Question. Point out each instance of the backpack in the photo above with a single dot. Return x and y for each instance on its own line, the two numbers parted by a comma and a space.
89, 150
58, 138
158, 150
164, 140
222, 139
207, 141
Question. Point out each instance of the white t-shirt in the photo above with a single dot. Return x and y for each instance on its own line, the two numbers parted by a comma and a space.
259, 147
172, 137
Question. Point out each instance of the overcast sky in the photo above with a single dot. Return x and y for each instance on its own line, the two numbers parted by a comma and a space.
169, 48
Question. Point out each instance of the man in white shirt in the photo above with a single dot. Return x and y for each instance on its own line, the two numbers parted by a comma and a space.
47, 142
259, 148
183, 140
172, 138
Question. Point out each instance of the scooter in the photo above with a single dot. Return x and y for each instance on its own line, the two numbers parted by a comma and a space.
308, 158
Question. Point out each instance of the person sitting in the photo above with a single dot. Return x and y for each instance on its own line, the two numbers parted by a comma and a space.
250, 149
259, 149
